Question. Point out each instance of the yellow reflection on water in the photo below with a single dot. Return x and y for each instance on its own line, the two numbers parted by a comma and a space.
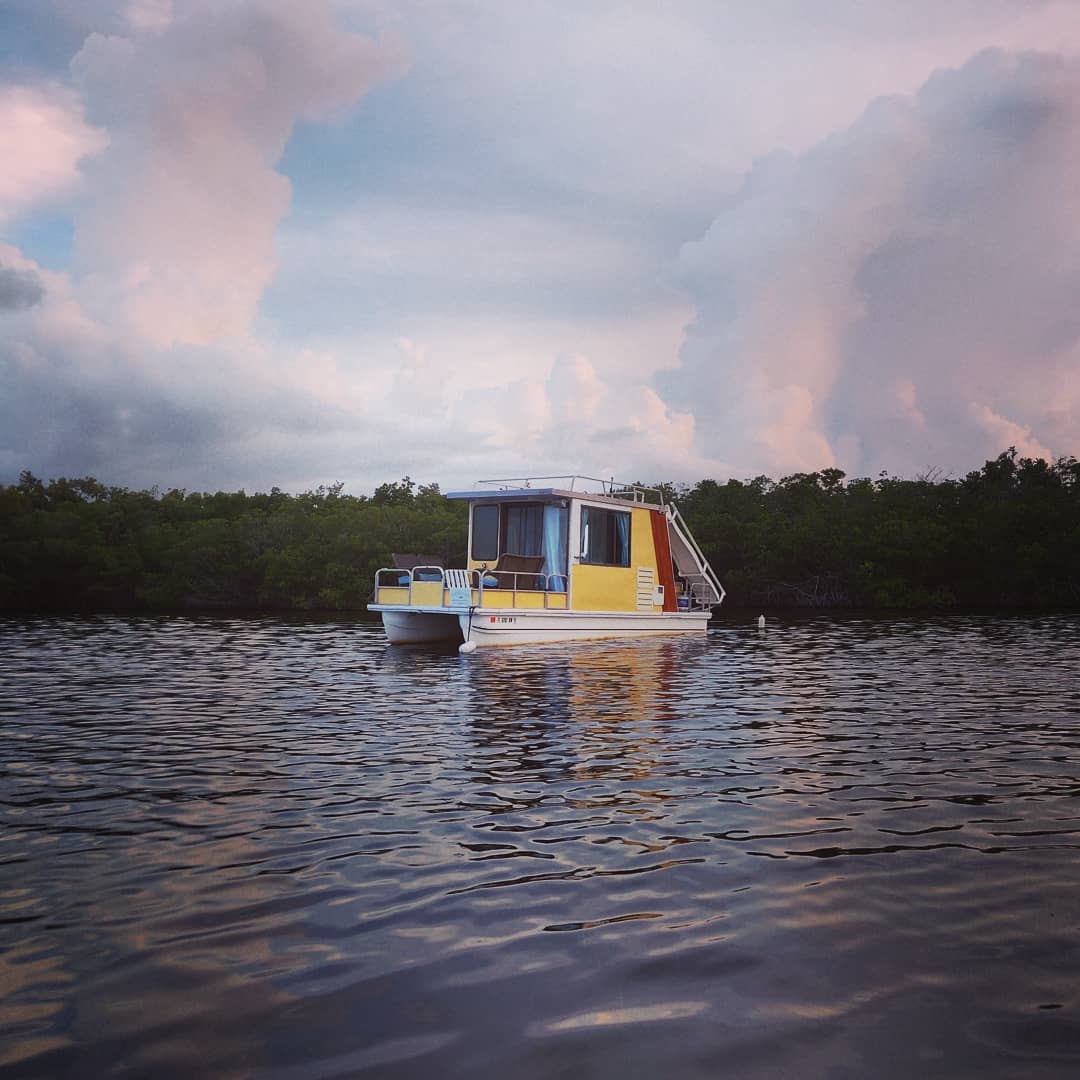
613, 702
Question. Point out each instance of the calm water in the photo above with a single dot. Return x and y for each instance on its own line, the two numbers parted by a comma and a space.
237, 847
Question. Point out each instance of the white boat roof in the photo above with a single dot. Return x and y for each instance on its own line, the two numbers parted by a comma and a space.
540, 494
522, 488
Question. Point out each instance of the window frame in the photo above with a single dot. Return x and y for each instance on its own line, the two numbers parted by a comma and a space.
498, 532
585, 533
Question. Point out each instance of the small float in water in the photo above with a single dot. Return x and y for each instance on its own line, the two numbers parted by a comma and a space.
549, 563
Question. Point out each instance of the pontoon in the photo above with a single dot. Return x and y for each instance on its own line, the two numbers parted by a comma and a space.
586, 559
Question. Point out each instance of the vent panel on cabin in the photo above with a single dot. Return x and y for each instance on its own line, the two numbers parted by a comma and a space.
646, 588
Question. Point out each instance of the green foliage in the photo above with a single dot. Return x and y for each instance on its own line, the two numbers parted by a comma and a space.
1007, 534
78, 544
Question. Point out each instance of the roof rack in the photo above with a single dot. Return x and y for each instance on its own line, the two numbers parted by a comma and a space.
612, 488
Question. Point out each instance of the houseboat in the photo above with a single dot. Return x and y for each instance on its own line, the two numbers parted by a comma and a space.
556, 559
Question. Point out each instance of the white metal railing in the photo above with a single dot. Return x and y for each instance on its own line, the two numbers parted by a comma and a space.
612, 488
706, 590
474, 579
540, 582
430, 575
703, 594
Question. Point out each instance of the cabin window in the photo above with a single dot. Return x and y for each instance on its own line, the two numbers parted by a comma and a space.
523, 528
485, 533
605, 536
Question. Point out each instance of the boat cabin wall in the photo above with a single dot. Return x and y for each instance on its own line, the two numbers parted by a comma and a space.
616, 588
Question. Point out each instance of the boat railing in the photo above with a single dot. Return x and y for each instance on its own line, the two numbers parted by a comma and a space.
611, 487
523, 581
519, 583
702, 595
394, 577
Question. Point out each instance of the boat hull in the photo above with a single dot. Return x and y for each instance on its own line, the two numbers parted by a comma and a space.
491, 627
512, 626
420, 627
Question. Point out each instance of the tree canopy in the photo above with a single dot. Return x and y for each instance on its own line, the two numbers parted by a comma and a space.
1006, 534
79, 544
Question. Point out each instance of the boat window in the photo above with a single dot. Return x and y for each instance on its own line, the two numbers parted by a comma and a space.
523, 528
605, 536
485, 532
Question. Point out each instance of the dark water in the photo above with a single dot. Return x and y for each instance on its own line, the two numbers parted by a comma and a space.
850, 848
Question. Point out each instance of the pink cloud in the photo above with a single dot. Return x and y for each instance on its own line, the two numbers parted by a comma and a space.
45, 137
854, 301
178, 243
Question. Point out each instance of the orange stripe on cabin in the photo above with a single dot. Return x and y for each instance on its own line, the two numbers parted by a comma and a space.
663, 559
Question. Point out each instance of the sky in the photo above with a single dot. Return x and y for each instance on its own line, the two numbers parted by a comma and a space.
257, 243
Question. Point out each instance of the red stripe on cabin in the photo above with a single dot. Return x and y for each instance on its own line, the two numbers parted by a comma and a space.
663, 558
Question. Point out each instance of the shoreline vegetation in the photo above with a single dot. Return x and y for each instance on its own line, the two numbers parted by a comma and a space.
1006, 535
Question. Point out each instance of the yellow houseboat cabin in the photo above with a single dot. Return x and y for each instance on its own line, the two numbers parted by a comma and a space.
551, 563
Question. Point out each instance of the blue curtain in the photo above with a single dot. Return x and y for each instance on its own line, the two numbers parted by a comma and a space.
556, 519
622, 532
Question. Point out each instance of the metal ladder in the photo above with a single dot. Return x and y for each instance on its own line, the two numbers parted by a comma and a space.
705, 587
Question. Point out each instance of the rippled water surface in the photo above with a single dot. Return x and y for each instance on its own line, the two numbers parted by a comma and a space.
257, 847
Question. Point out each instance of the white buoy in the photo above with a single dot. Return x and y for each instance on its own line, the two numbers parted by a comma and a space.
466, 647
761, 622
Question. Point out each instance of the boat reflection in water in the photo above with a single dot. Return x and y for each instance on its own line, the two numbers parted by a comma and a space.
585, 710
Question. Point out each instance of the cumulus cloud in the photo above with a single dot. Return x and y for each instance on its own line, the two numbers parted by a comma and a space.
77, 400
19, 289
149, 16
577, 419
178, 243
141, 362
395, 264
902, 294
44, 136
474, 268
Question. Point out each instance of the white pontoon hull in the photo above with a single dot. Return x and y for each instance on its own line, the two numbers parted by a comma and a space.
512, 626
420, 627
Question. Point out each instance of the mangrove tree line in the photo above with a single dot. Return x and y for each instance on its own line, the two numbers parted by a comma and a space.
1007, 534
